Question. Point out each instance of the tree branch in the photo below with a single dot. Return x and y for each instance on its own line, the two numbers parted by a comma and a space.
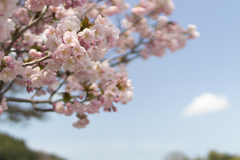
43, 110
8, 87
12, 99
37, 61
34, 102
20, 51
89, 9
36, 93
136, 22
2, 46
125, 60
55, 91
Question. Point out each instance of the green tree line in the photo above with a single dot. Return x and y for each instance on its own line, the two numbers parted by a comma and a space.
15, 149
212, 155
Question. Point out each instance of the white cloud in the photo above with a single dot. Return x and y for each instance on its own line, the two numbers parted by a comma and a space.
206, 103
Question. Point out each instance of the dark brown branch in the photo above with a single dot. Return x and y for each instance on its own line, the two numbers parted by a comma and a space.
36, 93
43, 110
20, 51
1, 85
92, 7
12, 99
33, 102
32, 18
136, 22
17, 114
48, 16
37, 61
55, 91
8, 87
125, 60
2, 46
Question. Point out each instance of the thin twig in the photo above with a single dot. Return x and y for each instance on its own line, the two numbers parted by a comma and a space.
36, 93
37, 61
48, 16
32, 18
126, 54
20, 51
55, 91
89, 9
125, 60
13, 99
2, 46
1, 85
8, 87
41, 109
136, 22
34, 102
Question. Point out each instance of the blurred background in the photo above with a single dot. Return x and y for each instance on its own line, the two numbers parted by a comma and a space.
185, 105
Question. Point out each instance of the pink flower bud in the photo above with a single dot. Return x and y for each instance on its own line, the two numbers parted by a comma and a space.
81, 96
114, 109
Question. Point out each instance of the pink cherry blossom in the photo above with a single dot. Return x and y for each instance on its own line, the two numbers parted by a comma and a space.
36, 80
53, 42
7, 74
70, 38
87, 35
63, 51
59, 108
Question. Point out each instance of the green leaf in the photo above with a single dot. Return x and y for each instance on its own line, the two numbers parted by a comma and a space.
66, 97
38, 48
85, 23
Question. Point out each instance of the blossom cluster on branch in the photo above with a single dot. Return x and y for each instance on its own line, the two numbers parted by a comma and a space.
61, 47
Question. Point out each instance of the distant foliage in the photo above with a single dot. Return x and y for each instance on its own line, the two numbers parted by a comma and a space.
15, 149
213, 155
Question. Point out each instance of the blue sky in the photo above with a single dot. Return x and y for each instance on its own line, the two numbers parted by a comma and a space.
153, 124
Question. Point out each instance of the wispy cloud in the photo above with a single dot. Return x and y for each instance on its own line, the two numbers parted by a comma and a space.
206, 103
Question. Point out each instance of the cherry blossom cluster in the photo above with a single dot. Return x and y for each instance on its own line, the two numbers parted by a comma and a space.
11, 67
168, 35
38, 5
112, 87
6, 8
74, 47
6, 25
60, 48
153, 7
107, 8
154, 38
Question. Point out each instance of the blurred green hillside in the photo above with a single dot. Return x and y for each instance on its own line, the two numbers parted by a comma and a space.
213, 155
15, 149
